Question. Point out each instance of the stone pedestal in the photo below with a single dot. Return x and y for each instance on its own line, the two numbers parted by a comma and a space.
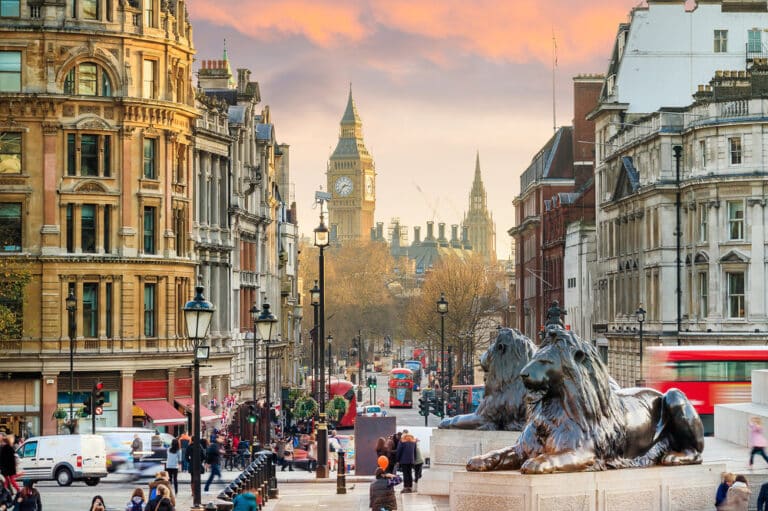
731, 420
688, 488
449, 450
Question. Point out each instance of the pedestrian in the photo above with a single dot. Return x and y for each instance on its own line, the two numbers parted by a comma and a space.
161, 479
391, 454
162, 502
137, 502
334, 446
406, 456
418, 464
762, 498
137, 447
8, 463
173, 463
737, 498
756, 439
312, 453
213, 460
28, 499
381, 493
184, 441
6, 497
245, 502
722, 490
287, 455
97, 504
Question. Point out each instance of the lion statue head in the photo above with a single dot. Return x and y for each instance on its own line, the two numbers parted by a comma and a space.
504, 359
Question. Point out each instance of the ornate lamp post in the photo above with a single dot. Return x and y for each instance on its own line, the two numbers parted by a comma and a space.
198, 313
263, 321
314, 294
360, 366
442, 309
71, 302
322, 240
640, 315
329, 340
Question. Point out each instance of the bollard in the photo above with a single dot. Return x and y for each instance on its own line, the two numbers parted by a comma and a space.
341, 478
271, 467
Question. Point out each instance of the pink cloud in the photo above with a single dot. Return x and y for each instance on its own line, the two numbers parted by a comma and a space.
509, 31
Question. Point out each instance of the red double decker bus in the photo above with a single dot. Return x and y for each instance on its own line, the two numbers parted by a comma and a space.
400, 388
708, 375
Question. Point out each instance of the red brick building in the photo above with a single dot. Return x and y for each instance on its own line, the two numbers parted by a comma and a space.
556, 189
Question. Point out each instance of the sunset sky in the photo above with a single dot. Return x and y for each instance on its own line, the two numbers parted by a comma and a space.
434, 81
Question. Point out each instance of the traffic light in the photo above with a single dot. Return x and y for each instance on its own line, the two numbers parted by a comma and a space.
86, 411
371, 382
424, 406
98, 398
436, 406
252, 413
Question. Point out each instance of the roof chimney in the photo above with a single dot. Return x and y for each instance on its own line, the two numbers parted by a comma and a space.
430, 231
465, 238
441, 239
417, 235
455, 243
379, 231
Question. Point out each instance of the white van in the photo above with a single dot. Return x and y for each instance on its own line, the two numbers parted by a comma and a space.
64, 458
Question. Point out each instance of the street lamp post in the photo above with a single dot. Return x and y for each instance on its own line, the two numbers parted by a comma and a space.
442, 309
264, 321
640, 315
322, 240
314, 294
198, 313
329, 340
359, 366
71, 303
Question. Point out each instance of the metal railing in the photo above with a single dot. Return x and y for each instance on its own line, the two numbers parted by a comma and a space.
259, 477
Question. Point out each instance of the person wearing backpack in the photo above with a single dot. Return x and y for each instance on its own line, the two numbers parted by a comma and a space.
162, 502
137, 502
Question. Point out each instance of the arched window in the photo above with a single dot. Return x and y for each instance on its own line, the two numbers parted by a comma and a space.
88, 79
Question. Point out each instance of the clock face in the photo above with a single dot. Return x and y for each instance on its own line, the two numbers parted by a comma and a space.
343, 186
369, 187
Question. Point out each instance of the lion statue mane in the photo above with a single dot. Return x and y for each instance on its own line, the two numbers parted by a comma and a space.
503, 405
580, 420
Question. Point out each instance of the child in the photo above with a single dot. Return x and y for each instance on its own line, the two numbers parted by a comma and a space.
137, 501
382, 490
722, 490
756, 439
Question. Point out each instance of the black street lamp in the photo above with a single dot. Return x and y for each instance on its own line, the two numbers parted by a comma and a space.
359, 366
314, 294
442, 309
322, 240
329, 340
640, 315
198, 313
264, 320
71, 302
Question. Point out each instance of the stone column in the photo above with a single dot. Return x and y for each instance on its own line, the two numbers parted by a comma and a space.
171, 385
756, 294
51, 230
128, 246
125, 412
48, 403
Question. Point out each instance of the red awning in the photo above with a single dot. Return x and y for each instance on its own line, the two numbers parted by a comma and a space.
160, 411
206, 415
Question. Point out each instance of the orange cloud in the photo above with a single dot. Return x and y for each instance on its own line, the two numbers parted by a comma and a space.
519, 31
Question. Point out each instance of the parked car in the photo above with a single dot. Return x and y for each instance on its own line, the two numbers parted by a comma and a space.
64, 458
372, 411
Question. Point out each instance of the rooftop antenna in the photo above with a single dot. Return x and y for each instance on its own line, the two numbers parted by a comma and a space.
554, 65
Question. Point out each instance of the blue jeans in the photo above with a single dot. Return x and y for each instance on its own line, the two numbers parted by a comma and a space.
215, 471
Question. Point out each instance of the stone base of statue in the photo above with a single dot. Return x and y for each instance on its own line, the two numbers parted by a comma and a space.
686, 488
449, 450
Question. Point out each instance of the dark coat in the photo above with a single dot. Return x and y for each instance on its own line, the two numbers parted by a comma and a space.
7, 460
406, 453
212, 454
762, 499
158, 504
6, 498
382, 495
29, 502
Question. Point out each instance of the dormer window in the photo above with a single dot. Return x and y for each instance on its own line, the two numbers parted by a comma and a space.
88, 79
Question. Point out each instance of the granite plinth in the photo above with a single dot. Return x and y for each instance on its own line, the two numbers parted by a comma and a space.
731, 420
451, 448
688, 488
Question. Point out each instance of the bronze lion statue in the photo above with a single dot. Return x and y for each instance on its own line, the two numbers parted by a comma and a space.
503, 406
580, 420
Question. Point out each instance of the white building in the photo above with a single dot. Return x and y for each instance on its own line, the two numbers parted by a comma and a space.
579, 265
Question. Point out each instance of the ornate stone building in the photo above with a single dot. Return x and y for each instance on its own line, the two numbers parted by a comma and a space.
351, 178
479, 221
97, 102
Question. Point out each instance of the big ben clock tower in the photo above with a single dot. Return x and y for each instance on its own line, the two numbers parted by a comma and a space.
351, 180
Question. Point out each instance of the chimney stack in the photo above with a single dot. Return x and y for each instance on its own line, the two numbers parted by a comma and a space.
379, 231
465, 238
441, 239
417, 235
455, 236
430, 231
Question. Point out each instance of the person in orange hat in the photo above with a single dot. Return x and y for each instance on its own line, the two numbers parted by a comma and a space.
382, 489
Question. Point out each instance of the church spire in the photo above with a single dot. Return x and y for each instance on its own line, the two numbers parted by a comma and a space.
478, 220
478, 189
350, 113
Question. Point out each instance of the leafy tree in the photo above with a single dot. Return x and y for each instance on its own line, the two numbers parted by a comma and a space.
14, 277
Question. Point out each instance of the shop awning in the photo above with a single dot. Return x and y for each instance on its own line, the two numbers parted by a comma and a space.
206, 415
160, 411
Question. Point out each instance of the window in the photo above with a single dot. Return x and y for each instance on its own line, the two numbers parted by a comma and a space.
703, 153
571, 282
88, 79
149, 14
88, 228
95, 153
9, 8
703, 222
703, 294
90, 309
10, 153
30, 450
10, 71
107, 229
90, 9
721, 41
149, 230
148, 76
735, 294
734, 146
149, 310
735, 220
150, 149
754, 45
108, 309
70, 228
10, 227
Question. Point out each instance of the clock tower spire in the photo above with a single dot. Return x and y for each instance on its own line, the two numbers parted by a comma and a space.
351, 177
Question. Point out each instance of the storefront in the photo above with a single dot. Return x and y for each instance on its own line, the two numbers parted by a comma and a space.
151, 408
83, 388
20, 404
